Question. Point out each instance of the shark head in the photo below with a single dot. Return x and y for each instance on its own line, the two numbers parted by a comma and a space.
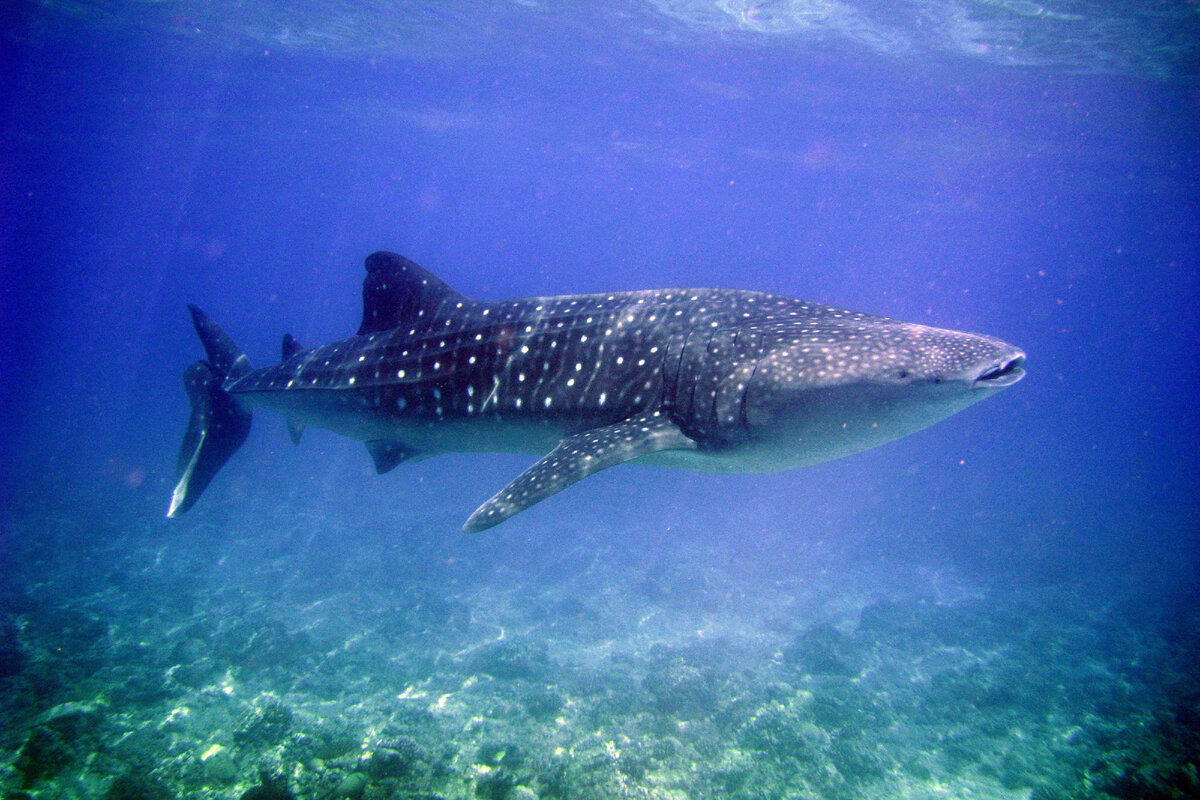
846, 386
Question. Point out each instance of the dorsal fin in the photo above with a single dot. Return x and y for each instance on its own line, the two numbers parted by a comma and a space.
395, 289
290, 346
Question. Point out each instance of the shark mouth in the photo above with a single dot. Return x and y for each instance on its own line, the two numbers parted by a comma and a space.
1006, 373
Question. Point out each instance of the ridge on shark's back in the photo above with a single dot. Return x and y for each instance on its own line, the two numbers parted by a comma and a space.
706, 379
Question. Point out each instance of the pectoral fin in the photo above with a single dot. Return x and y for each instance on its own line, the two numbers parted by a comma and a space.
575, 458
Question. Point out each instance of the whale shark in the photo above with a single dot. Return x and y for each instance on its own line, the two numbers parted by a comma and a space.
704, 379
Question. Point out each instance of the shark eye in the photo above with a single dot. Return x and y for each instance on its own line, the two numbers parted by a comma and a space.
902, 374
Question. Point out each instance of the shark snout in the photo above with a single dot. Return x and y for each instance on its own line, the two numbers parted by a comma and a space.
1002, 372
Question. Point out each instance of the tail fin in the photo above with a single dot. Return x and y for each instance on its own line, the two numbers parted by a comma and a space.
219, 424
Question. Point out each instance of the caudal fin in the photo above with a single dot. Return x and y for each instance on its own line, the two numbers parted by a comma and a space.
218, 424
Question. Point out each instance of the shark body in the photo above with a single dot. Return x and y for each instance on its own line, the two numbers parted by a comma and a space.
707, 379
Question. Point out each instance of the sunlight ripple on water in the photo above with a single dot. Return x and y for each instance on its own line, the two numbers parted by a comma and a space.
1159, 40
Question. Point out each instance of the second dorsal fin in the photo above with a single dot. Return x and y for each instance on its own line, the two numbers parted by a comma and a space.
396, 289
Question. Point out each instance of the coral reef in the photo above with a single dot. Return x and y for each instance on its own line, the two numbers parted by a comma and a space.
456, 683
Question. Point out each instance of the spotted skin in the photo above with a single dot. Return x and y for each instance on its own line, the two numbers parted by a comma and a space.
694, 378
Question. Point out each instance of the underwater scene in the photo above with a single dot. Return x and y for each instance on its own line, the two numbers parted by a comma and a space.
780, 399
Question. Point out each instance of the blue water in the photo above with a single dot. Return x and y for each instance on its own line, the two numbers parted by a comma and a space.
1031, 565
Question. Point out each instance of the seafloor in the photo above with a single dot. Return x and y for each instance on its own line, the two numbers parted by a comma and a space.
281, 654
